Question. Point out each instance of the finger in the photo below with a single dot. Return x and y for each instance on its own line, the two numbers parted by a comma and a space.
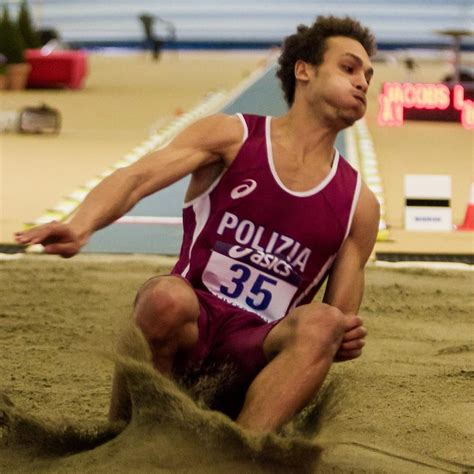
22, 237
357, 333
66, 250
35, 235
49, 233
356, 344
348, 355
352, 321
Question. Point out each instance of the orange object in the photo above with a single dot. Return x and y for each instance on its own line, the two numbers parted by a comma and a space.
468, 223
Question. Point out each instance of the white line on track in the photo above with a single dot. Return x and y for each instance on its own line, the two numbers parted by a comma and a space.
154, 220
426, 265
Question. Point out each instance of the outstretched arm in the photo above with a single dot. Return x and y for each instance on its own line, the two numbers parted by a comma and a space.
205, 142
345, 286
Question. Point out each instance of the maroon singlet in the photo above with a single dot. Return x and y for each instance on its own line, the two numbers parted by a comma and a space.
256, 244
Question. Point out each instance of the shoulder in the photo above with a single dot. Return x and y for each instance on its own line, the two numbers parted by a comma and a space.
230, 122
213, 131
368, 203
367, 215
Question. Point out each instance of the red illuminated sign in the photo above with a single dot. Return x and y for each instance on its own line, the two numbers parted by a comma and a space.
400, 101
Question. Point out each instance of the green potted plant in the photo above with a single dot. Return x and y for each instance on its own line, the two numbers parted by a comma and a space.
27, 30
13, 48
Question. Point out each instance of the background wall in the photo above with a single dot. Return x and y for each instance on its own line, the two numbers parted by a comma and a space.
393, 21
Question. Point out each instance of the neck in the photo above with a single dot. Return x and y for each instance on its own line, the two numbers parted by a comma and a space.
307, 135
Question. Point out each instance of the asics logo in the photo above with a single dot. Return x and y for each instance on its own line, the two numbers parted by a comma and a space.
244, 189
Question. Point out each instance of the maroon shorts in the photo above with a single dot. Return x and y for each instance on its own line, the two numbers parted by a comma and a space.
231, 336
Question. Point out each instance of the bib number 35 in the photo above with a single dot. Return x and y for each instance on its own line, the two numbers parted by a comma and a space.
259, 293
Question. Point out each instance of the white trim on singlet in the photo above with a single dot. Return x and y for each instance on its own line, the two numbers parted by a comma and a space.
216, 182
355, 200
310, 192
202, 204
244, 123
202, 210
205, 193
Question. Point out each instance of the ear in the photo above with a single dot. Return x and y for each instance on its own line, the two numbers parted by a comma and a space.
302, 70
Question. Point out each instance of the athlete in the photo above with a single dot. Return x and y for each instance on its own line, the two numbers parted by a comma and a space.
271, 211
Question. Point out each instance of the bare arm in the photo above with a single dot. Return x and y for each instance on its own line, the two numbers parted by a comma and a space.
207, 141
345, 286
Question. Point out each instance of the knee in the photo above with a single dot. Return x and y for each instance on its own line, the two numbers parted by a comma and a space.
317, 328
163, 305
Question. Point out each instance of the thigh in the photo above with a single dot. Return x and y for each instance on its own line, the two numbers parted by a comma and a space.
167, 306
174, 285
303, 322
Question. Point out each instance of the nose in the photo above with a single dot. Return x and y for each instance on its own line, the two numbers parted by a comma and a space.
361, 83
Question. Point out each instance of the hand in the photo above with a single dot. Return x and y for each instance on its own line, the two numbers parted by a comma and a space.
353, 340
56, 237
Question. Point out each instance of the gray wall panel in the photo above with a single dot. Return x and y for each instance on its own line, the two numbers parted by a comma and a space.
391, 20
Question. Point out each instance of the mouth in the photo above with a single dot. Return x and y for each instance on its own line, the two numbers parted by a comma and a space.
361, 98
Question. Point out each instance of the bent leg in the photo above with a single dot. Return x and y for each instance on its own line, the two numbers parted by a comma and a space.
166, 311
301, 348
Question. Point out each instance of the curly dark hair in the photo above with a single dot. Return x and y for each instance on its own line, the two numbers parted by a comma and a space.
309, 45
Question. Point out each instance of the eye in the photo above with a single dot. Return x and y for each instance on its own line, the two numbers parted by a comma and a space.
348, 69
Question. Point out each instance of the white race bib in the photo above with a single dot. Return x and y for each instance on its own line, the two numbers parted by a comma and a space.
255, 281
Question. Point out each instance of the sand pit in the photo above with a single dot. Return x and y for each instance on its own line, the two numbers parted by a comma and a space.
405, 406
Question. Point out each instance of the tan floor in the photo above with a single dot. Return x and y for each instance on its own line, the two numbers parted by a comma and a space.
402, 241
421, 148
126, 95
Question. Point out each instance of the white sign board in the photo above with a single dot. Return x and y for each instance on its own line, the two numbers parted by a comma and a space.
428, 202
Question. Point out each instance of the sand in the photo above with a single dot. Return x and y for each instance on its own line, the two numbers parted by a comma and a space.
405, 406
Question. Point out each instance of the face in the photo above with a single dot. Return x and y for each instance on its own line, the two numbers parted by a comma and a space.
337, 88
